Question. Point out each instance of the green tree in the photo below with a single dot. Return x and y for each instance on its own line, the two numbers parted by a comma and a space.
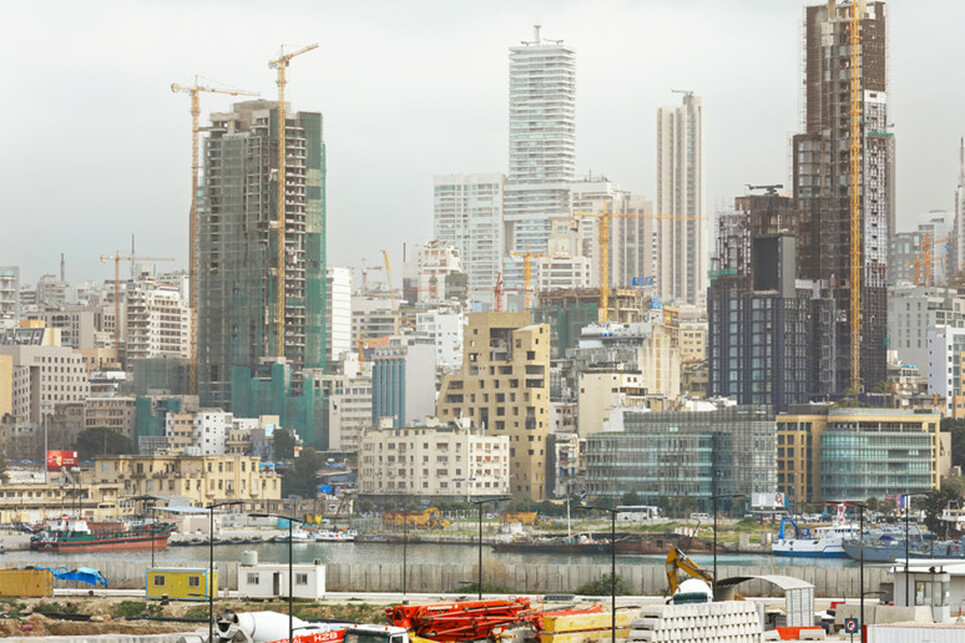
4, 466
99, 440
630, 498
299, 479
283, 445
957, 429
936, 501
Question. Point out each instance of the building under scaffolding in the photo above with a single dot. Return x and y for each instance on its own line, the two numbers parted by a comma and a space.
822, 185
238, 313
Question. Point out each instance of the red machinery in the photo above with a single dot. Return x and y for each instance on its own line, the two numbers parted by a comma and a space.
471, 620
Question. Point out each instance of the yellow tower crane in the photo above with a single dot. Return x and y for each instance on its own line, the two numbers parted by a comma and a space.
855, 154
281, 65
603, 235
194, 91
388, 282
527, 273
117, 257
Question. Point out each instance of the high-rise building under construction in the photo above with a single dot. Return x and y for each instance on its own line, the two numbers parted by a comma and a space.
822, 170
238, 315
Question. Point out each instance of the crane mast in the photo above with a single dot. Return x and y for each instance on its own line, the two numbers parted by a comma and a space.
116, 258
855, 157
603, 234
193, 264
281, 65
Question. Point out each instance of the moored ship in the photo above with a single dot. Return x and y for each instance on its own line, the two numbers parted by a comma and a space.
77, 535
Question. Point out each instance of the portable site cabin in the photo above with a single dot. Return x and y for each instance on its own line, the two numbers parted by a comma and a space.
271, 579
180, 583
26, 582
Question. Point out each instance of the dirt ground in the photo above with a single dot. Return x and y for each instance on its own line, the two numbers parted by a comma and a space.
25, 617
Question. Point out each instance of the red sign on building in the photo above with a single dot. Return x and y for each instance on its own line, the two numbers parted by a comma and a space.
57, 460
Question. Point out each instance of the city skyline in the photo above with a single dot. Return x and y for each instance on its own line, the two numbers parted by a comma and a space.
435, 103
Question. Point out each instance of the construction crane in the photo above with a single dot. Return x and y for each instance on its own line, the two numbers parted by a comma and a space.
281, 64
195, 92
854, 285
365, 276
527, 272
771, 190
388, 279
603, 236
924, 259
117, 257
498, 292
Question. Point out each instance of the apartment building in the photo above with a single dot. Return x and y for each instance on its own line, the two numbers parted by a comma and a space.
827, 453
504, 388
158, 320
441, 462
201, 479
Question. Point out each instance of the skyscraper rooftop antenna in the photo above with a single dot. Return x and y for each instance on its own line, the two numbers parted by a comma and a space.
536, 29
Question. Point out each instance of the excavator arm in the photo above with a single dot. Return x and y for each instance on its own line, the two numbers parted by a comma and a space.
678, 561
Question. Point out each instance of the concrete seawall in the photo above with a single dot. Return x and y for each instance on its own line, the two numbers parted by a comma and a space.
829, 582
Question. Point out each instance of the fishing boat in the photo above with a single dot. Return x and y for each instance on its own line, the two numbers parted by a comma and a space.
73, 534
329, 536
298, 536
814, 542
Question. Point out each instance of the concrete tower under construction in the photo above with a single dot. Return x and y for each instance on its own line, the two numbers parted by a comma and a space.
238, 314
822, 176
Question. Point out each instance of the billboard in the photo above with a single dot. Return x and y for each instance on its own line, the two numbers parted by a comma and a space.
768, 501
57, 460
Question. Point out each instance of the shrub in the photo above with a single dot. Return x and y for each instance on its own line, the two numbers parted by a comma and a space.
602, 587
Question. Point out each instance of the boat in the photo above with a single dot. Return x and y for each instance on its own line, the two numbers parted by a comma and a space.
577, 544
814, 542
298, 536
887, 548
328, 536
73, 534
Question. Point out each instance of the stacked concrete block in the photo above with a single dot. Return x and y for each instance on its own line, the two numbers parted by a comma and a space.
723, 622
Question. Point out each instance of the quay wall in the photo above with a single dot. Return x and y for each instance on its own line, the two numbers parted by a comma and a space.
829, 582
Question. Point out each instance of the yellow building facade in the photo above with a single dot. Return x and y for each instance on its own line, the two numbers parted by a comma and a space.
827, 454
504, 387
202, 479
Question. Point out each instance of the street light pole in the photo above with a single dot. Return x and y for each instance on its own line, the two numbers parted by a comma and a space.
480, 503
212, 590
613, 567
715, 498
861, 507
908, 497
291, 539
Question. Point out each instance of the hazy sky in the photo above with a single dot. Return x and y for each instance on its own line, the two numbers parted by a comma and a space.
95, 146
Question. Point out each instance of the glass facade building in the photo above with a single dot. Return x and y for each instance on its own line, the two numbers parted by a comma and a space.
665, 457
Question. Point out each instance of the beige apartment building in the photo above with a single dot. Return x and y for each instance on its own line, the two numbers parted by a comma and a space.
826, 453
504, 389
443, 462
33, 502
201, 479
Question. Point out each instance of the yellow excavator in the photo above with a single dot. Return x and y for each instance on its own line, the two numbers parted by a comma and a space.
678, 561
